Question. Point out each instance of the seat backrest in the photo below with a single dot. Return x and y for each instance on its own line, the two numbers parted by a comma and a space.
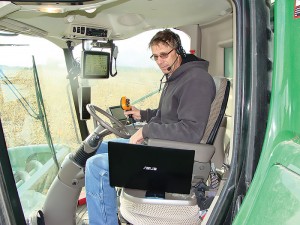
219, 143
205, 151
217, 110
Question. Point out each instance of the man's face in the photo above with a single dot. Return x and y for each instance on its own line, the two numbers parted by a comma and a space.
165, 56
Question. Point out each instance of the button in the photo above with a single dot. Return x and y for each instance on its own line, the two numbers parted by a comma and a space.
82, 31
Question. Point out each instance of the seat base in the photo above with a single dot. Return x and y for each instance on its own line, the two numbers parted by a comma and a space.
174, 209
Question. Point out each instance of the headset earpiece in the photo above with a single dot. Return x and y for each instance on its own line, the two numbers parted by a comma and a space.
179, 49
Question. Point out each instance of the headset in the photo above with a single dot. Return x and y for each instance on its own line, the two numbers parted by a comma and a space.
179, 49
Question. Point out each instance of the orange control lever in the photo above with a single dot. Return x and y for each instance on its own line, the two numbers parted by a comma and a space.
125, 103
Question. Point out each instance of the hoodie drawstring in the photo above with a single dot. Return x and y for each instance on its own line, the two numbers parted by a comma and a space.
161, 81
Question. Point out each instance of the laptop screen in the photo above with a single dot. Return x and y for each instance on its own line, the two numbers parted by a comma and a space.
150, 168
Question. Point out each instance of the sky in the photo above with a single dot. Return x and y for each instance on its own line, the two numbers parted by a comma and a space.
133, 52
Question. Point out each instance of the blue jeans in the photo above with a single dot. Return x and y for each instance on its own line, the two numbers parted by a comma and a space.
101, 197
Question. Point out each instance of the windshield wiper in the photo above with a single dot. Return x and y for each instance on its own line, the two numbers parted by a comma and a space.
18, 95
42, 112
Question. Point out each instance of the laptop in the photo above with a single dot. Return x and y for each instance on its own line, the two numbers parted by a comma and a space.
154, 169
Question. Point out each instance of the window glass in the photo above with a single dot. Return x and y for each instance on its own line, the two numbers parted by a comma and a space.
138, 77
228, 62
35, 114
36, 106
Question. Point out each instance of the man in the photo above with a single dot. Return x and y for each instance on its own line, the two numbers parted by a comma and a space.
182, 115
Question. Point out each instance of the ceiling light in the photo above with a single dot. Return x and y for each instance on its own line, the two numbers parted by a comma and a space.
51, 9
90, 10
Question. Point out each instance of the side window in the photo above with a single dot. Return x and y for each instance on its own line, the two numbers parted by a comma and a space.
228, 62
228, 73
38, 129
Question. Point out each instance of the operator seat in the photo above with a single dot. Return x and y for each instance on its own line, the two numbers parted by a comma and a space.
179, 208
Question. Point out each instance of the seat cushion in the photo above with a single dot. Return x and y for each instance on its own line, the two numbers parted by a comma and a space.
149, 214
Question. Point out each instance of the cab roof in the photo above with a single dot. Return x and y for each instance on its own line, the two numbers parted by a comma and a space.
105, 19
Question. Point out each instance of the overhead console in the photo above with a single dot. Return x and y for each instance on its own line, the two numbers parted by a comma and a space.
77, 31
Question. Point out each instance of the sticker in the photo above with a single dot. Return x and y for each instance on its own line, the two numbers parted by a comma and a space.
297, 9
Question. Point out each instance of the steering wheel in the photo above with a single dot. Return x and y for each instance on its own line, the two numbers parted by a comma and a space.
121, 129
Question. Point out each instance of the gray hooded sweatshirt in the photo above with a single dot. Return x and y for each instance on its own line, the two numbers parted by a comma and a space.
184, 104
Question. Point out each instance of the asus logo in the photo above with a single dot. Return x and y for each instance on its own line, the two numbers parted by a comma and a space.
150, 168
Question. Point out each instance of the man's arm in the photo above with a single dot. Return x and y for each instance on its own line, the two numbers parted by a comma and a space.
148, 114
141, 115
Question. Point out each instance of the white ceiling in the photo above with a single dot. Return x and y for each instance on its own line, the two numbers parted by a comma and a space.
123, 18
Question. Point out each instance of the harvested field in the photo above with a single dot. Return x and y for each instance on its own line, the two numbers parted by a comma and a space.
21, 128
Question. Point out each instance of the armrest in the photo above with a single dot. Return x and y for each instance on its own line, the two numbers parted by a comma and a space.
203, 152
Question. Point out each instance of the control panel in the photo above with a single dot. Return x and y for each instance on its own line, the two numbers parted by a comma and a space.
88, 32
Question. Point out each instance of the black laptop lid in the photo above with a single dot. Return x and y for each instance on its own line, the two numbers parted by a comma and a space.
150, 168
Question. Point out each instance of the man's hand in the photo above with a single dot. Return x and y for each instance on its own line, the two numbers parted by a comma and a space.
137, 138
136, 114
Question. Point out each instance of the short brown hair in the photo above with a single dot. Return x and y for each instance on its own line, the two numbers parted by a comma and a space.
169, 38
166, 37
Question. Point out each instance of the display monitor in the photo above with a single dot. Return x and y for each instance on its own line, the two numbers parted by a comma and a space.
118, 113
95, 64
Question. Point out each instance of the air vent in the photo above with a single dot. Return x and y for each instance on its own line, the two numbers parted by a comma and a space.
20, 28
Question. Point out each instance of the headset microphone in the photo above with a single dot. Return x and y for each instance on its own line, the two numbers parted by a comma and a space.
170, 67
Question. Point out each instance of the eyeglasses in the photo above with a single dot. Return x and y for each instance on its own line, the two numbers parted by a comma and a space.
162, 55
